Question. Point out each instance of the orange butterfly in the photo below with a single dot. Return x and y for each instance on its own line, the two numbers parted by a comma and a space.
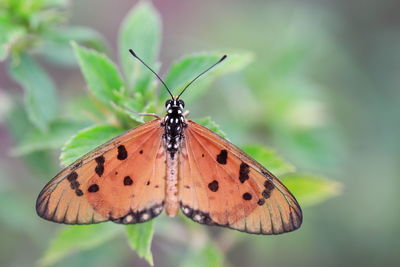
170, 163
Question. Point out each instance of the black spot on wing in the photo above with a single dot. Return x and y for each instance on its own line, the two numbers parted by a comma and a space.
72, 176
261, 202
93, 188
100, 165
247, 196
244, 171
269, 186
128, 180
79, 192
74, 184
122, 153
213, 186
222, 157
266, 194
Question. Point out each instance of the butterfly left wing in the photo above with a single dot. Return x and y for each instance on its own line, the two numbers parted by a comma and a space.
221, 185
122, 180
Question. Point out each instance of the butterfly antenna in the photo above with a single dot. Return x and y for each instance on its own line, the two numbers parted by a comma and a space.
166, 87
212, 66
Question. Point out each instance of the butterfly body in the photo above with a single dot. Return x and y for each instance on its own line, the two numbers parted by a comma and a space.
174, 124
172, 164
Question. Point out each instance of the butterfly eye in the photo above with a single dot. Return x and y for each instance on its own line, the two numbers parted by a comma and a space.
168, 102
181, 103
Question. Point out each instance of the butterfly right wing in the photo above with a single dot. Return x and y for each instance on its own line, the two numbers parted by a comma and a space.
122, 180
221, 185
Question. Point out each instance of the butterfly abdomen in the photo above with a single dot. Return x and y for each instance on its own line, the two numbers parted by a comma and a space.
171, 198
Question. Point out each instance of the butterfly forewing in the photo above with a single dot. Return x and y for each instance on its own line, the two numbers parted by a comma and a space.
122, 180
221, 185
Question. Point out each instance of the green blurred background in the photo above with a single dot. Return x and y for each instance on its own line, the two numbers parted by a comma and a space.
322, 90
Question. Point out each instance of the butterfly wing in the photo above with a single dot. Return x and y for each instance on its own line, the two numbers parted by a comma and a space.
122, 180
221, 185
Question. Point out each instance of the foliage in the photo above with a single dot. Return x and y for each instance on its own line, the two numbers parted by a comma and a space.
35, 26
144, 22
140, 237
118, 97
100, 73
39, 89
75, 238
267, 157
187, 68
311, 190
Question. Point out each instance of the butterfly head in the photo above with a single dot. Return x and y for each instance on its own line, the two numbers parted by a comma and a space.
174, 104
175, 111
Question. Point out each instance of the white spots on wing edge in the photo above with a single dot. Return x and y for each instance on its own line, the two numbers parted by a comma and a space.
128, 219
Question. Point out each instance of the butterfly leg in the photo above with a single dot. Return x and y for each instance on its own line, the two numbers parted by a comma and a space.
186, 113
140, 114
150, 114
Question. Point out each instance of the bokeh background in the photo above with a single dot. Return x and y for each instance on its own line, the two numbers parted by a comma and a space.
322, 90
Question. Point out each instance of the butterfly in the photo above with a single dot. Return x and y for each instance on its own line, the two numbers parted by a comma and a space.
170, 164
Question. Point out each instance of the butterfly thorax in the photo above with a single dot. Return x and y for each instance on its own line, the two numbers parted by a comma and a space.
174, 123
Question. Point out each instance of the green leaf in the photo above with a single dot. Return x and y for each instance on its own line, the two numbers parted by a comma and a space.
208, 255
130, 107
41, 163
10, 33
40, 92
311, 190
17, 121
58, 133
75, 238
210, 124
100, 74
140, 237
87, 140
87, 108
56, 44
269, 159
140, 31
186, 69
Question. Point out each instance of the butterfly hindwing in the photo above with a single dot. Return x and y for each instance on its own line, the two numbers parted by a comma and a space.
122, 180
221, 185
